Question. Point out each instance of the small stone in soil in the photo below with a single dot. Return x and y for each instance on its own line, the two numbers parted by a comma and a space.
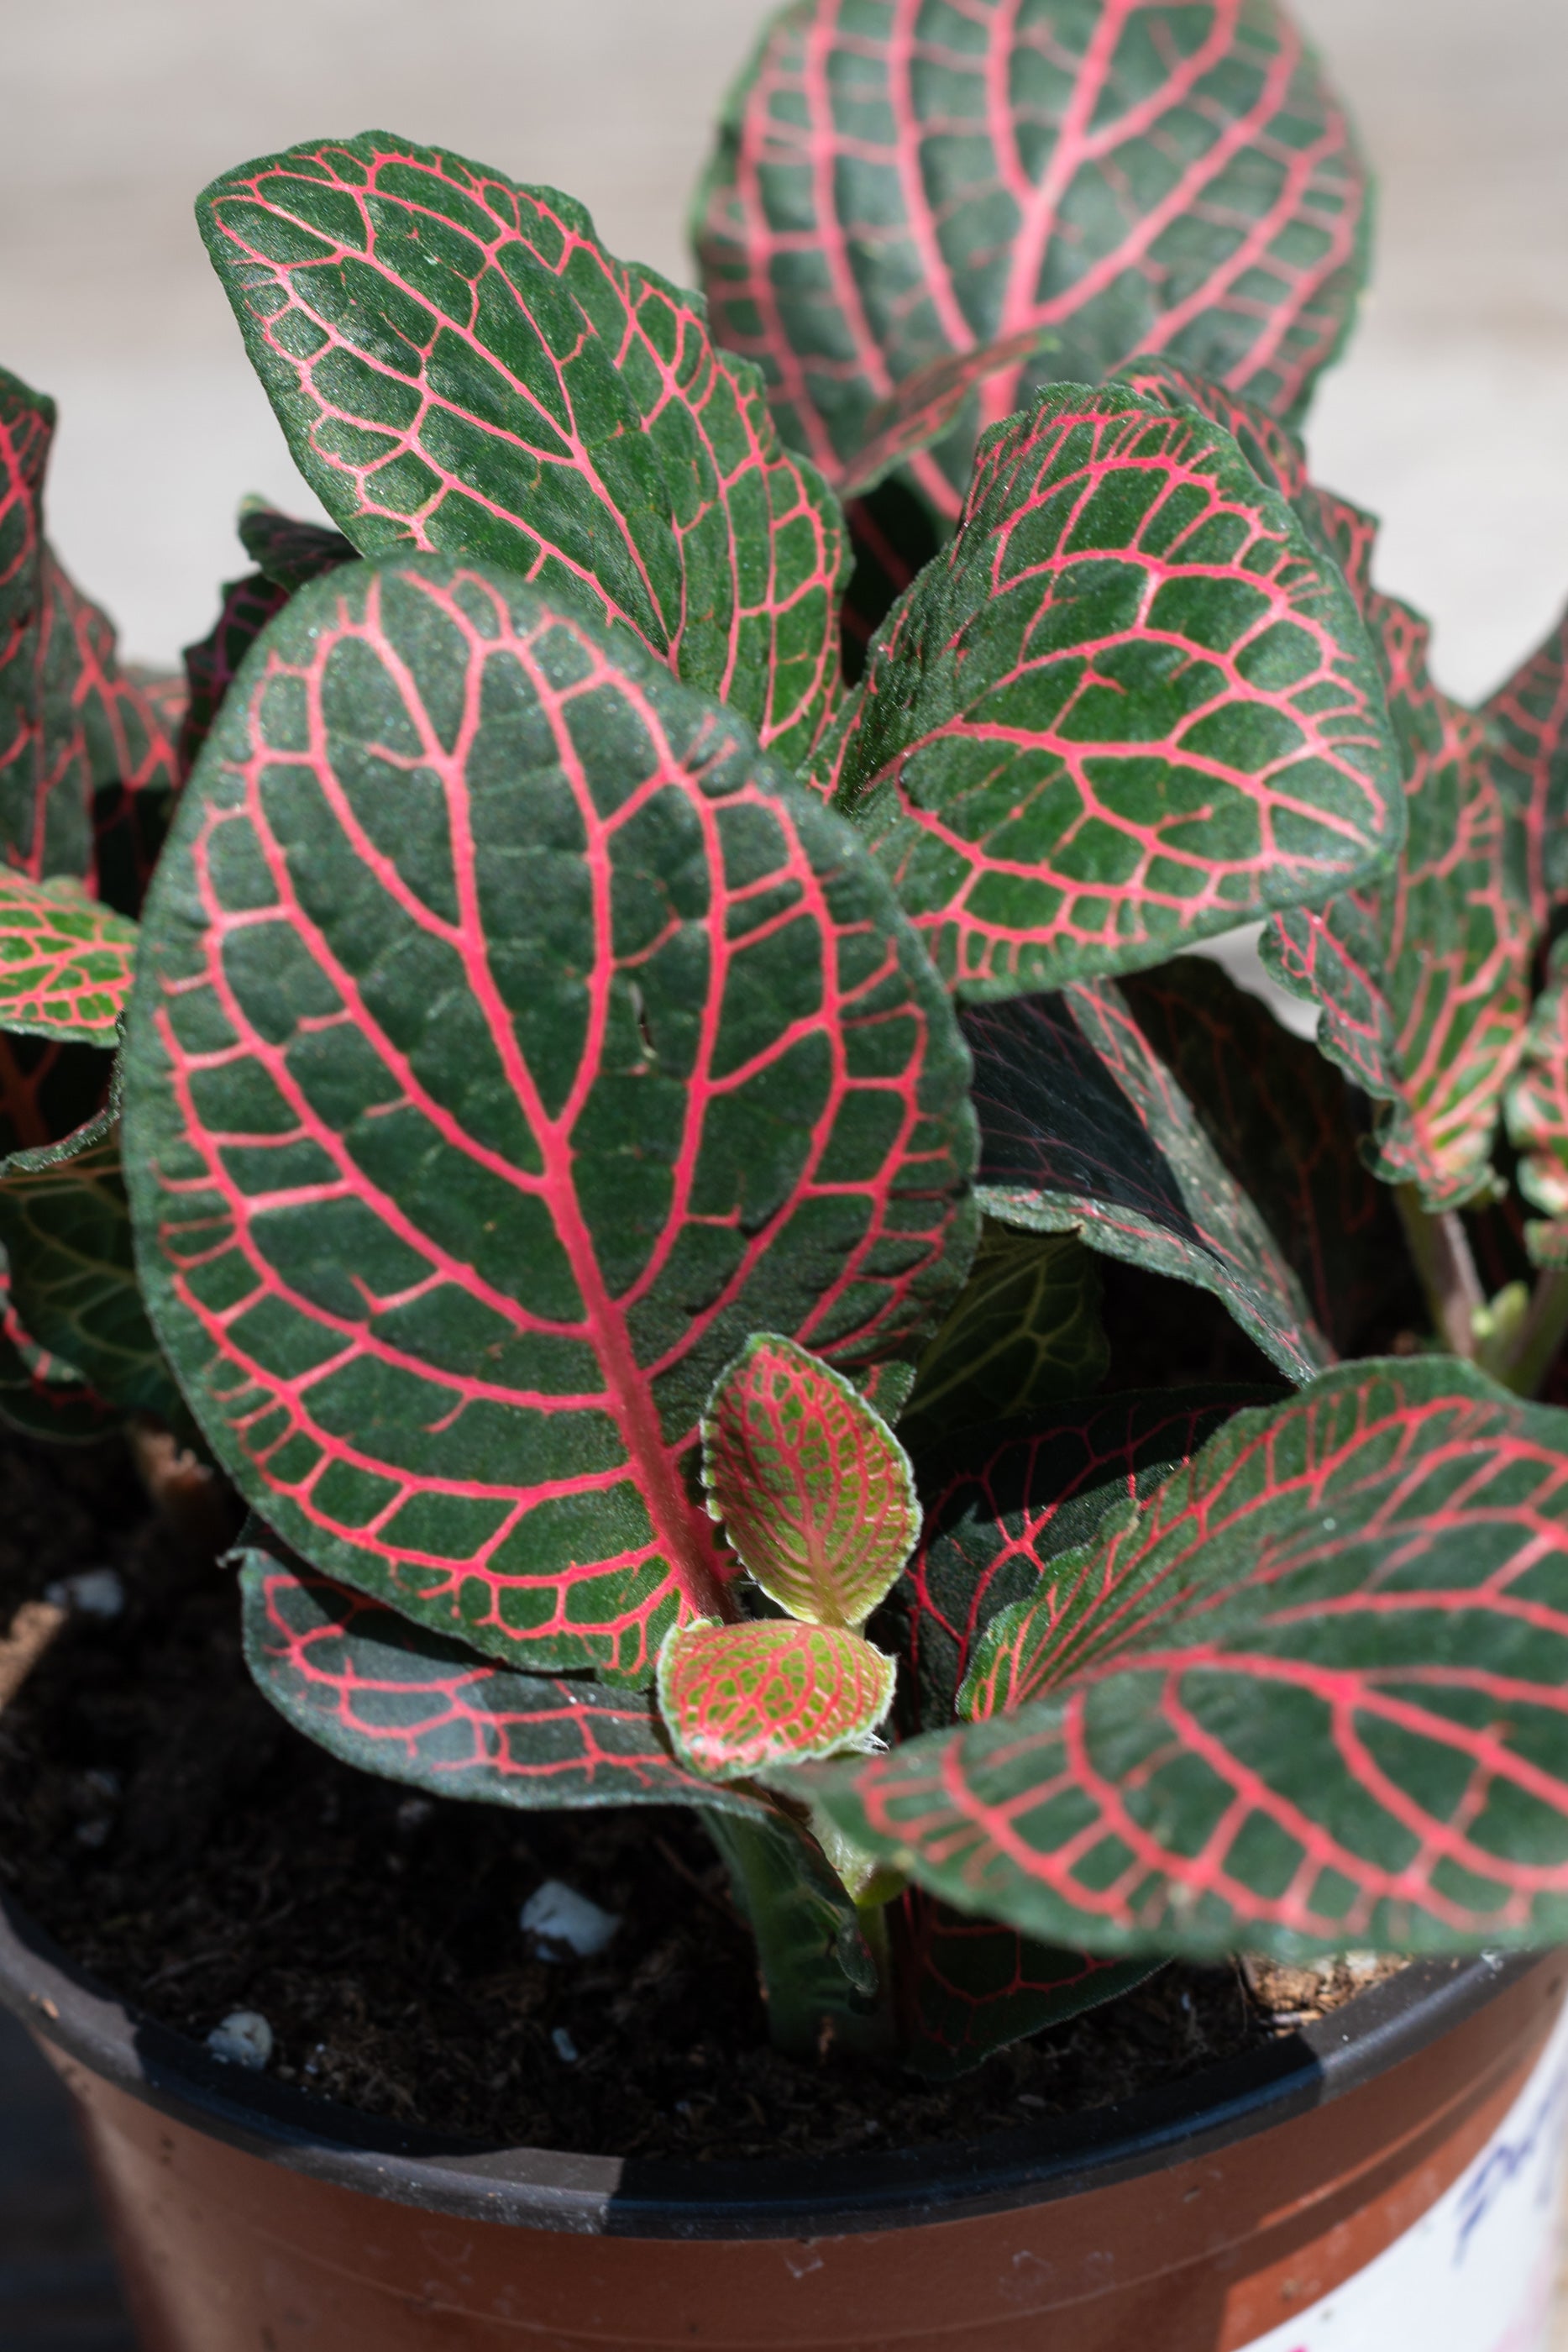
564, 1924
566, 2049
94, 1592
243, 2038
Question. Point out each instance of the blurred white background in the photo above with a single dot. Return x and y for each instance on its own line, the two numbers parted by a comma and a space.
1451, 416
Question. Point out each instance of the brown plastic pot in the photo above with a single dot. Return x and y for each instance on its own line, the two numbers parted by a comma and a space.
1196, 2219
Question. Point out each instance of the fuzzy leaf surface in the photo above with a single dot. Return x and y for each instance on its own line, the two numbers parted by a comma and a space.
1000, 1508
1313, 1696
66, 1228
1279, 1116
394, 1699
1025, 1334
66, 961
460, 366
738, 1699
901, 179
975, 1988
511, 1040
809, 1483
1083, 1128
1129, 705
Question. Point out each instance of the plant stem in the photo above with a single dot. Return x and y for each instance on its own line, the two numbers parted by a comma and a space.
1441, 1249
819, 1978
1539, 1337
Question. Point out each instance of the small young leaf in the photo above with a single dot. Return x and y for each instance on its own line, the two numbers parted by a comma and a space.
459, 365
809, 1483
289, 552
1538, 1118
511, 1040
1024, 1335
737, 1699
66, 961
40, 1396
1083, 1129
896, 183
1320, 1700
1001, 1509
393, 1699
1129, 705
974, 1988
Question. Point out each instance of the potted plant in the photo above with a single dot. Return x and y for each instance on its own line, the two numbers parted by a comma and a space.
624, 1064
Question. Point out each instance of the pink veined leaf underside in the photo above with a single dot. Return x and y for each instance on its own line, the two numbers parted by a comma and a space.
738, 1700
1129, 705
901, 182
1312, 1696
1423, 977
460, 366
70, 721
66, 963
510, 1041
972, 1987
810, 1484
397, 1700
1282, 1121
1083, 1129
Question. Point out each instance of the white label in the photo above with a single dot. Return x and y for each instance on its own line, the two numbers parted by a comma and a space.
1476, 2273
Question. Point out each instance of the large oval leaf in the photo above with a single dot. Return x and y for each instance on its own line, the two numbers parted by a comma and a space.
1002, 1506
1422, 974
511, 1040
900, 180
70, 720
1082, 1128
1312, 1697
392, 1698
65, 1226
39, 1395
460, 365
1128, 706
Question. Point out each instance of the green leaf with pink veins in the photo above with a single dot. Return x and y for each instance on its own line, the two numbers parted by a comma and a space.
737, 1699
812, 1488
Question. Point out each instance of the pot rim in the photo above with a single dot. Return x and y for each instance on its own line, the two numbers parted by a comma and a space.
791, 2196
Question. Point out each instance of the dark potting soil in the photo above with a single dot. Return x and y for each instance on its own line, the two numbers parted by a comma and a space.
178, 1839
